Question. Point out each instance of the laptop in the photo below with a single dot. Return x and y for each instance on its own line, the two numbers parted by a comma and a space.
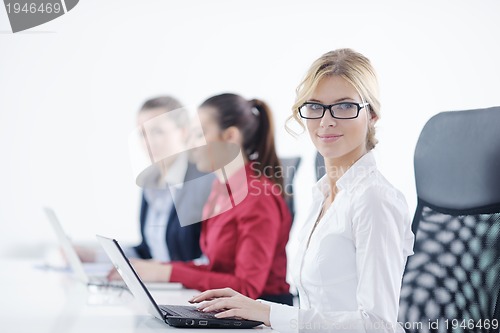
92, 274
173, 315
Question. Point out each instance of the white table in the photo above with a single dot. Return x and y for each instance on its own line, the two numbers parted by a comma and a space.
47, 301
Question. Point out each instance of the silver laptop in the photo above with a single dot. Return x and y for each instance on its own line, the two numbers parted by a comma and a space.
92, 274
173, 315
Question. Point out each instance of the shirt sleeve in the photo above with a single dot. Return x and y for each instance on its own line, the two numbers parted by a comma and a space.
383, 240
258, 233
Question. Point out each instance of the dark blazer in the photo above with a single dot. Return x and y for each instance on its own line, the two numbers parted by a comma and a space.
183, 242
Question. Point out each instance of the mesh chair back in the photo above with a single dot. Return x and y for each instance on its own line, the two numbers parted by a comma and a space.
452, 282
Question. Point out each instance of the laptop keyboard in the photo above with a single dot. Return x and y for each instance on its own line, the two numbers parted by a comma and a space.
187, 312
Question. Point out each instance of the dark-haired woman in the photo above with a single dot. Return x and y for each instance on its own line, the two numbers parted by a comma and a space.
246, 220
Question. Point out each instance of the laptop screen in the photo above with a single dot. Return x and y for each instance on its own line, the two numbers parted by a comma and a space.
129, 275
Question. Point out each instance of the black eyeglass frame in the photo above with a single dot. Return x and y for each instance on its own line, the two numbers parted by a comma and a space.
329, 108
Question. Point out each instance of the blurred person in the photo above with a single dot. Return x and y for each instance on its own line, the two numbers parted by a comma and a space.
167, 188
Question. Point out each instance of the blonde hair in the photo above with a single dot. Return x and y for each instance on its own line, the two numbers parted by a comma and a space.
353, 67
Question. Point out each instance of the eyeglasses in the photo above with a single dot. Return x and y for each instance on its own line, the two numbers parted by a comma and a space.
343, 110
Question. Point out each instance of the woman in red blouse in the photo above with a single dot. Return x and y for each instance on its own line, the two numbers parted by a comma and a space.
246, 220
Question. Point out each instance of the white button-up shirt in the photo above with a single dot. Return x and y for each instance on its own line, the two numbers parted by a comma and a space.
349, 277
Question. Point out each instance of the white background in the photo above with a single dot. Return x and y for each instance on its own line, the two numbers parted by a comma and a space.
70, 90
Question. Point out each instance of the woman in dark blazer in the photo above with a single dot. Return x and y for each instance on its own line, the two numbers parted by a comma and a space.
174, 191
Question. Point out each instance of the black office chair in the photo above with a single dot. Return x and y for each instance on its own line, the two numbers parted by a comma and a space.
454, 275
290, 166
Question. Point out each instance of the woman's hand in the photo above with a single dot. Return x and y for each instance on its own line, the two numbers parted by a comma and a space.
233, 304
148, 270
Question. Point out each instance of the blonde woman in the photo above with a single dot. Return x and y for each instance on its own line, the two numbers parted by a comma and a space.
354, 245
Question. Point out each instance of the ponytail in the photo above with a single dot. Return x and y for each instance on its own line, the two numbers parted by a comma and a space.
263, 144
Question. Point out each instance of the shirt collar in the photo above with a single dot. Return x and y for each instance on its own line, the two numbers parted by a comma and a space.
359, 170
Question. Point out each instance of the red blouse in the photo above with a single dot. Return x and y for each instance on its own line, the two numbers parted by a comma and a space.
245, 243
